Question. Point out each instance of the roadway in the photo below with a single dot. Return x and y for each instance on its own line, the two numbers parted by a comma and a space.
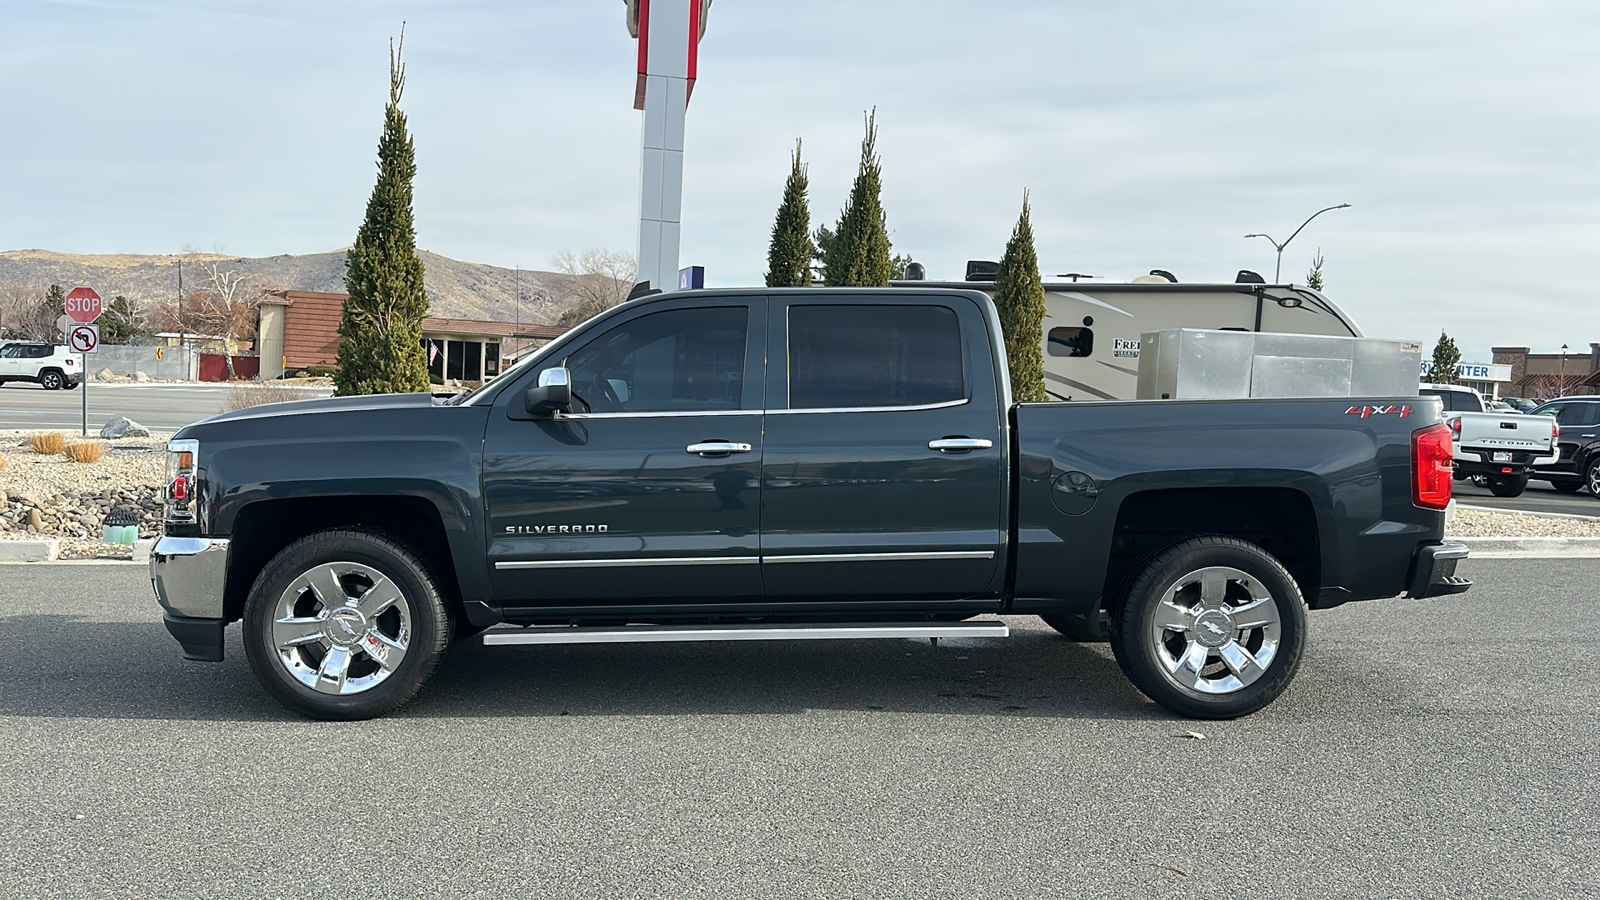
160, 407
1443, 748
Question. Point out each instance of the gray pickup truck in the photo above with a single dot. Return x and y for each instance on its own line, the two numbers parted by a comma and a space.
791, 464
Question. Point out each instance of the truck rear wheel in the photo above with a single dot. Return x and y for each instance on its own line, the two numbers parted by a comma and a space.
345, 624
1508, 485
1212, 629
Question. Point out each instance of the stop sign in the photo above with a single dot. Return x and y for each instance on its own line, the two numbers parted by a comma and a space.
84, 305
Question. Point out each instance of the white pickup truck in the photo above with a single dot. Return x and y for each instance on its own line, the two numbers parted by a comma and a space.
1501, 447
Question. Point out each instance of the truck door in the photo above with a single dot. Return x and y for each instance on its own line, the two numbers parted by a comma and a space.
650, 492
883, 474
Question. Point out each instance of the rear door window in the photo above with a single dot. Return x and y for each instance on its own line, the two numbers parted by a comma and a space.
857, 357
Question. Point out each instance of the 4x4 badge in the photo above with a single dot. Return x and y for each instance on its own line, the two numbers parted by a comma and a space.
1367, 412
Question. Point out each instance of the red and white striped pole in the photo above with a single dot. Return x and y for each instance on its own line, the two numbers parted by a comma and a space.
669, 33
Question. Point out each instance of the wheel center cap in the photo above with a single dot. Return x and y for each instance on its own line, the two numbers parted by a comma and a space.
1213, 628
345, 626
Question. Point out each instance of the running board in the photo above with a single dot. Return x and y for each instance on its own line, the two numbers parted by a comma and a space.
806, 632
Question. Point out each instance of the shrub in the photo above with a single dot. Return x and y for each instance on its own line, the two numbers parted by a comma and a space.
322, 371
246, 394
48, 444
85, 452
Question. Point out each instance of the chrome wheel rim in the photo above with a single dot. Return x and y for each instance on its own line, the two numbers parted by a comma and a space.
1216, 630
341, 628
1594, 478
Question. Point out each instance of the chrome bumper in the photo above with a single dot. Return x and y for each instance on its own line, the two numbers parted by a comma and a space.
189, 575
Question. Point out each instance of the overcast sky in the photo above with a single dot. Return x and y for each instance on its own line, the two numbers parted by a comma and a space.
1151, 134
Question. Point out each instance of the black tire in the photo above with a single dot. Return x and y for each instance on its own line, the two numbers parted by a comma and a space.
1248, 574
1079, 628
1567, 486
1591, 476
416, 623
70, 385
51, 380
1508, 485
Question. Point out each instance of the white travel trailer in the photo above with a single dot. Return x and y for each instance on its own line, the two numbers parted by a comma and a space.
1092, 329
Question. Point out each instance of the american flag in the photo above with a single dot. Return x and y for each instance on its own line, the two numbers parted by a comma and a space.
433, 352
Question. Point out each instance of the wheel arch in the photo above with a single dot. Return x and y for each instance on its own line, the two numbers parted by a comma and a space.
262, 529
1279, 520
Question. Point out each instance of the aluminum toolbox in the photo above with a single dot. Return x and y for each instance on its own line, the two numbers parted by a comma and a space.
1194, 364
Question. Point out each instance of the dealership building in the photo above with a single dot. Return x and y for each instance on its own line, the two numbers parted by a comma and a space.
300, 329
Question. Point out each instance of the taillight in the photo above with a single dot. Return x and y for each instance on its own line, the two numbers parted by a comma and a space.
1455, 425
1555, 429
1431, 452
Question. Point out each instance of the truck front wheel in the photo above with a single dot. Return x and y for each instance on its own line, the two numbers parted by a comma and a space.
345, 624
1212, 628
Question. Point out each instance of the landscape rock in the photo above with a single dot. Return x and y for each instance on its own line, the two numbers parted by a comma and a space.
107, 374
142, 378
122, 426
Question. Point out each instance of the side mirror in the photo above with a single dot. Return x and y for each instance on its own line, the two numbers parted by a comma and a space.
552, 395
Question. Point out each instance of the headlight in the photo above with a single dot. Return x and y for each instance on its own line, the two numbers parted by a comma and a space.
180, 493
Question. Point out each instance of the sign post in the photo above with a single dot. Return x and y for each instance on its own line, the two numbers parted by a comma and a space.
84, 306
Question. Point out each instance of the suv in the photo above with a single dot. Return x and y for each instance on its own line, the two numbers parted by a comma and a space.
1578, 467
52, 367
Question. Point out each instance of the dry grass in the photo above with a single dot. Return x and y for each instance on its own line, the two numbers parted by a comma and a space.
49, 444
246, 394
85, 452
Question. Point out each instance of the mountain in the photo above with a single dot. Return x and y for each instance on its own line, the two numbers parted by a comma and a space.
458, 290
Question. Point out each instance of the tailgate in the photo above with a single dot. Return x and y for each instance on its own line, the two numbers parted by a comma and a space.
1496, 431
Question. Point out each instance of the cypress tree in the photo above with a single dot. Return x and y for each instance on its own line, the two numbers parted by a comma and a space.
1019, 296
858, 256
1446, 355
380, 336
789, 256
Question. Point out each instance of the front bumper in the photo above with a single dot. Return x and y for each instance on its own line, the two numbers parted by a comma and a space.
189, 575
1433, 570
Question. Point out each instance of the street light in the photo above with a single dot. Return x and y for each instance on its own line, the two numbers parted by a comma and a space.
1563, 386
1279, 270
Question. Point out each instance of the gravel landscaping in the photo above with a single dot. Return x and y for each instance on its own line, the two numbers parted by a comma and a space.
50, 496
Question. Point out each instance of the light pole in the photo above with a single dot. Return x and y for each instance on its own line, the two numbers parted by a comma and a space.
1562, 387
1279, 270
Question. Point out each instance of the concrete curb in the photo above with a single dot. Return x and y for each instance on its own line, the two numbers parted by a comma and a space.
29, 551
1508, 547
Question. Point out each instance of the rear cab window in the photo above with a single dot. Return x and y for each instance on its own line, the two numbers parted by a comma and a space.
872, 357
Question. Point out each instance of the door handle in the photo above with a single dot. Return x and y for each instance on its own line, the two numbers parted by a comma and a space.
960, 444
716, 448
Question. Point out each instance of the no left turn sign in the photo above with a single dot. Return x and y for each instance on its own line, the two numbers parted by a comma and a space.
84, 339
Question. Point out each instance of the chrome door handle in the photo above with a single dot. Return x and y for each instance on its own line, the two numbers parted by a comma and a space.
960, 445
709, 448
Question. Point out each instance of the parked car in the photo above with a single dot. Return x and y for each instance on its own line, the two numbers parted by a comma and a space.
1577, 466
766, 464
50, 366
1521, 404
1501, 448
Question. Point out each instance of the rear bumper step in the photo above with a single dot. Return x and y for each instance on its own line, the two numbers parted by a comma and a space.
805, 632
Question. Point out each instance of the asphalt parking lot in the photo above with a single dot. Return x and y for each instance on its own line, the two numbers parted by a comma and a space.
1540, 497
1442, 748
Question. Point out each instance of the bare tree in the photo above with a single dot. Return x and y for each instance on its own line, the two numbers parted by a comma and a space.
25, 314
592, 282
224, 304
